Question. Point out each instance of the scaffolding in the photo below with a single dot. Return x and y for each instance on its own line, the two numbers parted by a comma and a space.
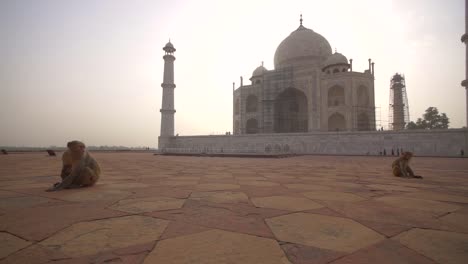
398, 112
266, 91
378, 118
278, 81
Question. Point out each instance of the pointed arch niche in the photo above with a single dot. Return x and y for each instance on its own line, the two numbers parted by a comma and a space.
336, 96
290, 113
336, 122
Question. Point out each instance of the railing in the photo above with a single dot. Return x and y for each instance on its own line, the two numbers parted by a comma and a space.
267, 149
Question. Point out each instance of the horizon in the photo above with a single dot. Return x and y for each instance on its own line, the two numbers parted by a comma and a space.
93, 70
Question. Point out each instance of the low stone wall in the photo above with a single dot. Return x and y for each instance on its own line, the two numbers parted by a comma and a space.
448, 142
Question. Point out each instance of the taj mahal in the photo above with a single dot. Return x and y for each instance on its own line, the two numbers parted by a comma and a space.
312, 102
310, 89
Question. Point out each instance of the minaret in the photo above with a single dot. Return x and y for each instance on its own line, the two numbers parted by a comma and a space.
464, 39
398, 108
167, 105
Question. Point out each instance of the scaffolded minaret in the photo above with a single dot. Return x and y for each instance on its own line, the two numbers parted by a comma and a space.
464, 39
167, 106
398, 111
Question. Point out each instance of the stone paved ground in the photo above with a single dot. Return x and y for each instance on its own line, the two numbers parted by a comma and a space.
307, 209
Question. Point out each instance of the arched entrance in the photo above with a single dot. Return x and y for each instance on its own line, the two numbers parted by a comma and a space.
363, 97
336, 122
252, 102
336, 96
290, 113
363, 122
251, 126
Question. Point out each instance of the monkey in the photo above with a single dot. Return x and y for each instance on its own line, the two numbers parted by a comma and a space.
66, 162
79, 168
401, 168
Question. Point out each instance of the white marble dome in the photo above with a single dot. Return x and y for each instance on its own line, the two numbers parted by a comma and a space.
336, 59
302, 43
259, 71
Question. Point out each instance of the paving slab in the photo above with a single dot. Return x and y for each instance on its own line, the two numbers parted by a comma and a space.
15, 203
455, 222
40, 222
89, 238
278, 176
438, 196
94, 194
217, 246
304, 209
310, 187
161, 191
255, 191
419, 204
250, 178
220, 197
218, 176
259, 183
149, 204
180, 228
301, 254
327, 232
337, 183
10, 244
126, 185
389, 230
134, 254
386, 252
9, 194
34, 254
175, 183
390, 187
216, 186
286, 203
231, 217
333, 196
380, 212
441, 246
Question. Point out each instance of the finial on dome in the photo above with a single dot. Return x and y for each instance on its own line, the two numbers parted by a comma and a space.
300, 20
262, 63
169, 48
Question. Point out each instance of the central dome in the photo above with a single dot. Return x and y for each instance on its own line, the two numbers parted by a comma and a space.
303, 43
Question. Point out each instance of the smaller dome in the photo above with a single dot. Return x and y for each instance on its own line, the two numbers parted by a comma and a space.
259, 71
169, 47
336, 59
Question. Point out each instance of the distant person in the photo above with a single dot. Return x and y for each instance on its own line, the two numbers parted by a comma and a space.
462, 153
384, 152
79, 169
401, 168
393, 153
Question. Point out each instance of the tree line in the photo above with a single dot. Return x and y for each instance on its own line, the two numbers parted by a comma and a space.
431, 119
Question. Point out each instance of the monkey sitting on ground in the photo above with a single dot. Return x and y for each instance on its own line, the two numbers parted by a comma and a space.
79, 169
66, 162
401, 168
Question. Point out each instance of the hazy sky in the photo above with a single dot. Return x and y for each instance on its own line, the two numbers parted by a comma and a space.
92, 70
